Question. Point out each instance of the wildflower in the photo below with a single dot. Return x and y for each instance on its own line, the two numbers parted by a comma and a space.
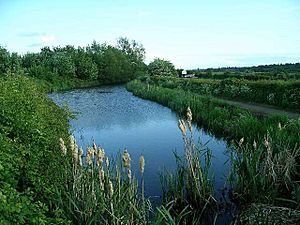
126, 159
182, 127
279, 126
241, 141
190, 118
62, 146
142, 164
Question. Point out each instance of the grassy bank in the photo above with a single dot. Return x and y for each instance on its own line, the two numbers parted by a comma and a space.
219, 117
271, 142
283, 94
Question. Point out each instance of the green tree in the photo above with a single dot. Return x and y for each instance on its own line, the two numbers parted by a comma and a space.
86, 68
115, 66
135, 53
63, 64
161, 67
4, 60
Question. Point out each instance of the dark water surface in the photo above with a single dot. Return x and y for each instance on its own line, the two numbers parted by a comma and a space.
116, 119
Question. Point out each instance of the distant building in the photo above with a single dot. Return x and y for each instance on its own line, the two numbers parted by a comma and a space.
185, 74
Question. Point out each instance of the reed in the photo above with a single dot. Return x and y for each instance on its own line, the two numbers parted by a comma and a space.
188, 192
97, 191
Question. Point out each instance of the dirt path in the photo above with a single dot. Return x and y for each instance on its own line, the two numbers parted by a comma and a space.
261, 109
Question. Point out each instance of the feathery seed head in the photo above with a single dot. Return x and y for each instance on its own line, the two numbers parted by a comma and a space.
254, 144
142, 164
80, 154
126, 159
181, 125
241, 141
107, 162
72, 143
129, 174
62, 146
190, 118
100, 156
110, 189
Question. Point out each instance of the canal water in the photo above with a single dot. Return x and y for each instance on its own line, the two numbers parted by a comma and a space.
116, 119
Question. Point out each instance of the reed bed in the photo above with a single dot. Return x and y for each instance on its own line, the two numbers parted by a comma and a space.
99, 190
188, 192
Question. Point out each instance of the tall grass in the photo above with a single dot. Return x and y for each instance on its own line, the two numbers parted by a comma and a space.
187, 193
263, 173
220, 118
98, 190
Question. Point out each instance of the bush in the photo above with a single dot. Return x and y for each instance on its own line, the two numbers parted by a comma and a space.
30, 125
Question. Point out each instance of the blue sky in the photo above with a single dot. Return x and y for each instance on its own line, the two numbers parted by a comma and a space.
189, 33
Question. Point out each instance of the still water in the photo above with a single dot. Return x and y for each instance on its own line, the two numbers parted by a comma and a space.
116, 119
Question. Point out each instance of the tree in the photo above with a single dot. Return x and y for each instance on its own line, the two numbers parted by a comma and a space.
4, 60
63, 64
135, 54
86, 68
161, 67
114, 66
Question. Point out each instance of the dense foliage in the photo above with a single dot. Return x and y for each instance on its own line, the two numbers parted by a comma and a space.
161, 67
267, 72
285, 94
30, 125
100, 63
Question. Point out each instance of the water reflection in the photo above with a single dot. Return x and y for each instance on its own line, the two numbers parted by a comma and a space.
116, 120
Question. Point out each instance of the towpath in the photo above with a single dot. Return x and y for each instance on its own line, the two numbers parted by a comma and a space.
261, 108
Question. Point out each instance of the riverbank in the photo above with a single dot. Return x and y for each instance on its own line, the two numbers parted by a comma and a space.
268, 143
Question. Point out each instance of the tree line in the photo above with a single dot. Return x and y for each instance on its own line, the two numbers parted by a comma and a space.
103, 62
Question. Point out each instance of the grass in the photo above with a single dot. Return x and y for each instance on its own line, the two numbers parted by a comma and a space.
280, 93
98, 190
267, 173
188, 192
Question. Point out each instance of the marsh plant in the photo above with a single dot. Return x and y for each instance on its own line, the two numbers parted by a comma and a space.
99, 190
187, 193
264, 171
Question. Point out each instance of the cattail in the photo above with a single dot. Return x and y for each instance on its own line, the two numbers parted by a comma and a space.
241, 142
72, 143
142, 164
266, 143
89, 160
75, 155
126, 159
110, 189
129, 174
254, 144
62, 146
101, 178
100, 154
190, 118
80, 154
182, 127
94, 146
